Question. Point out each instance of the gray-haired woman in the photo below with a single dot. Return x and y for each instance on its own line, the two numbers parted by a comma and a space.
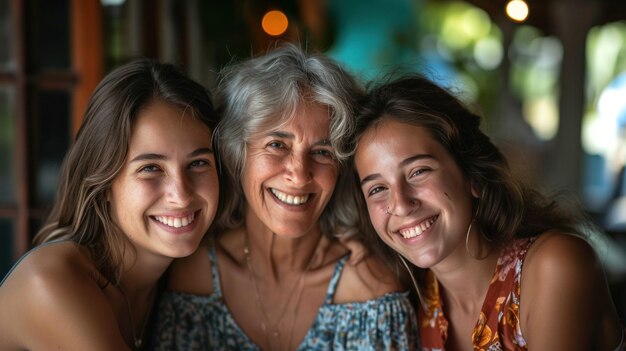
275, 276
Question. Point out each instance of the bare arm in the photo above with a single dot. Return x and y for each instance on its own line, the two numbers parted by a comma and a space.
562, 282
53, 303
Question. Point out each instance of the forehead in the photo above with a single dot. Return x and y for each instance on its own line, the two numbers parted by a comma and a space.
161, 123
392, 134
391, 143
313, 118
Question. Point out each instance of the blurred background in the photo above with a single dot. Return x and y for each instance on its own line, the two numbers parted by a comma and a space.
549, 77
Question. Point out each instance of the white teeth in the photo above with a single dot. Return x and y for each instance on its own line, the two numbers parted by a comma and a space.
418, 229
290, 199
176, 222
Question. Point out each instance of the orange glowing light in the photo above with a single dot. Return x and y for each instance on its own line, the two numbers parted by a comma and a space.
274, 23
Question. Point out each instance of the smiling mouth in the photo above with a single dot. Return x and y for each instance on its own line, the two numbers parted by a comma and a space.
176, 222
290, 199
418, 229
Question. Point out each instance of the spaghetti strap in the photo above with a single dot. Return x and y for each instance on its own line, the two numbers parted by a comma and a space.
330, 293
6, 276
215, 272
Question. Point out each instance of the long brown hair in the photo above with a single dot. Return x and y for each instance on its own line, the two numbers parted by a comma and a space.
507, 207
81, 212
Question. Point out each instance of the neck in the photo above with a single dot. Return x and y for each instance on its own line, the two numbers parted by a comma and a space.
464, 283
279, 253
141, 273
137, 291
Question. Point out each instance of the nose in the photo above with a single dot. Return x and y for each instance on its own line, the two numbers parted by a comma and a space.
179, 190
298, 169
402, 202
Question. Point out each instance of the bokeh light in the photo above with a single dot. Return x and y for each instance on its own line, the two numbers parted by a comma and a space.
274, 23
517, 10
488, 53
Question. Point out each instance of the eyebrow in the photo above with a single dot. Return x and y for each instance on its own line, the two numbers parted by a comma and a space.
404, 162
157, 157
286, 135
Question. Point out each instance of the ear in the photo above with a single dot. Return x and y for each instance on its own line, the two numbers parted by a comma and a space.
475, 191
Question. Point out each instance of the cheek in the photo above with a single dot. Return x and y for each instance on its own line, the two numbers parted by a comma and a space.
208, 187
326, 175
377, 218
451, 192
257, 169
135, 197
248, 181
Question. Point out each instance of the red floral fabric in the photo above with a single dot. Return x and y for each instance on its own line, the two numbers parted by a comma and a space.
498, 326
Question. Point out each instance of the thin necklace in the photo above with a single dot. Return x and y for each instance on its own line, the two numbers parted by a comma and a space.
137, 340
299, 283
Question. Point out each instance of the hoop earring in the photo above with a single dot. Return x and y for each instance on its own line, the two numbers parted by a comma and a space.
417, 289
469, 228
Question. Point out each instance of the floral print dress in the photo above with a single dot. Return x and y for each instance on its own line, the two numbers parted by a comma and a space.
498, 327
204, 322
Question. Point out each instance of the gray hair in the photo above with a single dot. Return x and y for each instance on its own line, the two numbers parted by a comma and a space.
263, 93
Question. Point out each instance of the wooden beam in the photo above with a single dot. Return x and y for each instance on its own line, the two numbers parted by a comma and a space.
21, 241
87, 54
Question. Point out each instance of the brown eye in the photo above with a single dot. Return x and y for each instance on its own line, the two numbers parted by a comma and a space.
418, 172
375, 190
149, 169
198, 163
323, 156
276, 145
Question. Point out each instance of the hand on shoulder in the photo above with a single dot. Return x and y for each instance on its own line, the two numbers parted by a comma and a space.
367, 279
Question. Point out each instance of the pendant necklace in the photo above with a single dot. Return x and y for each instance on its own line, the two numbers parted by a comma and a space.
271, 330
137, 339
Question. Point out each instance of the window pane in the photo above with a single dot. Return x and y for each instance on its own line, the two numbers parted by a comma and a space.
50, 138
7, 145
118, 36
6, 246
48, 34
6, 35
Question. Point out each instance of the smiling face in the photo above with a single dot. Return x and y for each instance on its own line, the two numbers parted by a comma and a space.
289, 174
405, 172
166, 195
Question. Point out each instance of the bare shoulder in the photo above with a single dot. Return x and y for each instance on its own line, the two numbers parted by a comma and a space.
366, 280
50, 264
560, 262
558, 255
192, 274
52, 298
563, 292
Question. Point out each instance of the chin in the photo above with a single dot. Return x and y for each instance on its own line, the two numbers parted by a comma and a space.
289, 230
183, 250
422, 262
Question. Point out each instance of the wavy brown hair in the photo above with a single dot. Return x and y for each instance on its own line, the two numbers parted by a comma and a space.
507, 207
81, 212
